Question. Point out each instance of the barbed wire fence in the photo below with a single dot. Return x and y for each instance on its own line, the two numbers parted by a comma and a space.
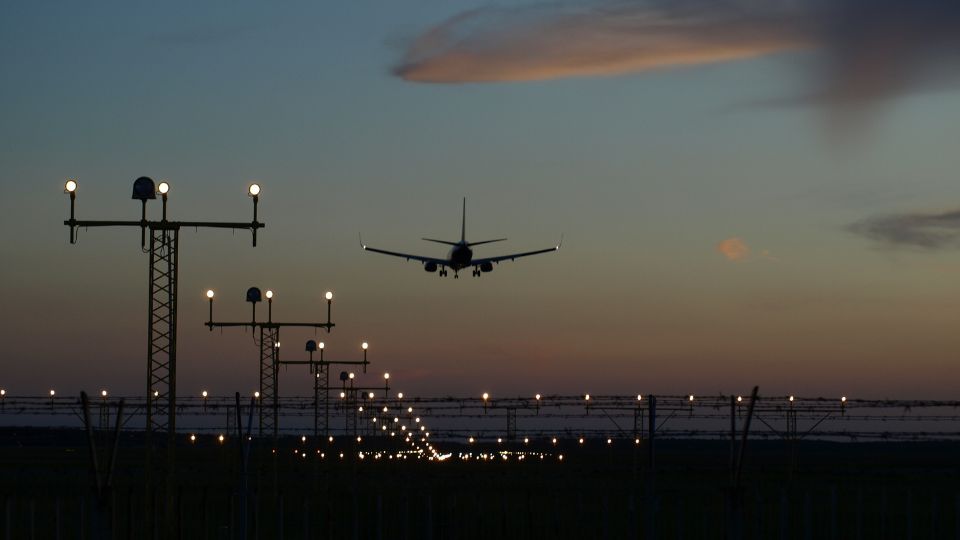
542, 417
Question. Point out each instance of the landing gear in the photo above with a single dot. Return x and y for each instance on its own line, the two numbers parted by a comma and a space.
476, 273
443, 273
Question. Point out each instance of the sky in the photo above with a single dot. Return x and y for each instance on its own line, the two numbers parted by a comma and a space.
749, 193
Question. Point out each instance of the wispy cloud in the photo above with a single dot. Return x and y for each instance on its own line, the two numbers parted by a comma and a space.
872, 49
919, 230
734, 249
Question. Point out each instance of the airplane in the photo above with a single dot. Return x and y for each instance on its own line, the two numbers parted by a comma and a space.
461, 256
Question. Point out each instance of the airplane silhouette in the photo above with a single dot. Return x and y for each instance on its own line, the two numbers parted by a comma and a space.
461, 256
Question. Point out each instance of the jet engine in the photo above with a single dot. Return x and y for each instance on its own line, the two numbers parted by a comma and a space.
486, 267
430, 267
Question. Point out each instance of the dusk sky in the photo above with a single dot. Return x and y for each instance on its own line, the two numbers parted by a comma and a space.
750, 193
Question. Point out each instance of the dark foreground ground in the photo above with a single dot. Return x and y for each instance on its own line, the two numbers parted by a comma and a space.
812, 490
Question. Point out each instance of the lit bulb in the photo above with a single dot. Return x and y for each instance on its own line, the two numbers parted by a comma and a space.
70, 186
163, 188
210, 293
269, 294
254, 190
364, 345
328, 295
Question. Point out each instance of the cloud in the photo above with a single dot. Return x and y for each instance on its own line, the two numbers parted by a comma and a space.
734, 248
871, 49
548, 41
919, 230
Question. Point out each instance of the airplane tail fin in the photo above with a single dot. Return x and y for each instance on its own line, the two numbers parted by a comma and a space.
463, 226
485, 242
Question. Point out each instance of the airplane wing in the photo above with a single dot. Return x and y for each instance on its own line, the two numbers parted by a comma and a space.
407, 256
497, 259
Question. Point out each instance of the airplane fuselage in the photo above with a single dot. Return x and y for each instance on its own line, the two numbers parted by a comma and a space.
460, 256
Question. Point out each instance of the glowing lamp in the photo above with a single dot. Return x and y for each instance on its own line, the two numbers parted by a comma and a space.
253, 190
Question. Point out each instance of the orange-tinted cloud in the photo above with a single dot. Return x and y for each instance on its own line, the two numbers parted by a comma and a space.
551, 41
734, 249
870, 50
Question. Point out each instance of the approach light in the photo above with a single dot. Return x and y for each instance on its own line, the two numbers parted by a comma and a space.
210, 294
537, 397
639, 397
253, 190
364, 345
269, 294
400, 395
3, 392
791, 399
842, 400
163, 188
256, 395
70, 186
320, 345
370, 395
386, 376
739, 399
690, 397
486, 396
53, 393
352, 375
328, 295
204, 393
221, 438
586, 397
342, 395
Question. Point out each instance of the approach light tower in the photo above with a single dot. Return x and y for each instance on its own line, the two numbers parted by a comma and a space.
269, 351
321, 382
162, 311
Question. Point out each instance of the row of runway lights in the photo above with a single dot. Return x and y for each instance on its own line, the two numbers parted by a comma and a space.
485, 397
431, 453
204, 394
690, 398
221, 438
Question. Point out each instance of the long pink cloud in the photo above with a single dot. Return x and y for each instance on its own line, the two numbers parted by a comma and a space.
871, 49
